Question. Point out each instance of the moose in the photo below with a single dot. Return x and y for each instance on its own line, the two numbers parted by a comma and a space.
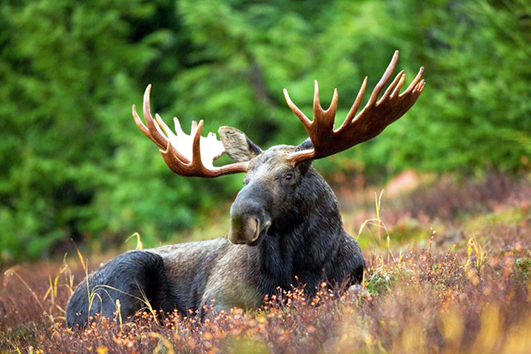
285, 225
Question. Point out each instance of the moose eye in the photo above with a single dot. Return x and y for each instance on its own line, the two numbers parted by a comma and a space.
288, 176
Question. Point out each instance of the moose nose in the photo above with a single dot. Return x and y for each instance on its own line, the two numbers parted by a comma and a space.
244, 229
249, 219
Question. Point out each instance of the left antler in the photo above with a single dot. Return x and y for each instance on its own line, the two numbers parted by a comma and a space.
370, 122
186, 155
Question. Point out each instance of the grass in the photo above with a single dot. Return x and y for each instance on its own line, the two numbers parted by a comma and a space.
454, 282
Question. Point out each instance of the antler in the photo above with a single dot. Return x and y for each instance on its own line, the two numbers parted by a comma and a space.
370, 122
186, 155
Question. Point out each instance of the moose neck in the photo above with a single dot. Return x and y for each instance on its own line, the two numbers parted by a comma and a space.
301, 242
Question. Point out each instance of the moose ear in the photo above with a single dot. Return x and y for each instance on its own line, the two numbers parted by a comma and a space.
306, 145
237, 145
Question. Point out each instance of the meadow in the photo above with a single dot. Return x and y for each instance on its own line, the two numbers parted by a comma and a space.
448, 271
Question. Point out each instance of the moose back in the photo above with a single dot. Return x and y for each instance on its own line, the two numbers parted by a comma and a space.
284, 224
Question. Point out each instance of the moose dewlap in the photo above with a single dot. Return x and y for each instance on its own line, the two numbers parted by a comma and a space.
285, 222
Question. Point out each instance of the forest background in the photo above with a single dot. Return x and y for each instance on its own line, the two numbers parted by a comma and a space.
73, 166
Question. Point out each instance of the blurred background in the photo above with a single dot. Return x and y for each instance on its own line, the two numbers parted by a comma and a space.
73, 165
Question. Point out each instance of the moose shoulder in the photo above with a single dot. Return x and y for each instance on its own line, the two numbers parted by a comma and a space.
285, 223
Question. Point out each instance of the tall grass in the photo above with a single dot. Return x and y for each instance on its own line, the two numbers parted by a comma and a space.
472, 295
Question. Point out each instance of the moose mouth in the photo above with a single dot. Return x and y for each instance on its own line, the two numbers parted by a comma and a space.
249, 231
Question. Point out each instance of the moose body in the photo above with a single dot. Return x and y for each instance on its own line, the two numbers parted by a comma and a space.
285, 226
305, 240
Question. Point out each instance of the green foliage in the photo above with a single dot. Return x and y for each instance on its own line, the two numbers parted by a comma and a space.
378, 283
523, 265
73, 165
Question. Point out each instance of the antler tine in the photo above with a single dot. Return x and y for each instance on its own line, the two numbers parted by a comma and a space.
196, 157
154, 130
170, 135
316, 102
356, 105
177, 124
383, 81
414, 82
399, 78
165, 129
304, 120
194, 127
323, 119
142, 127
399, 86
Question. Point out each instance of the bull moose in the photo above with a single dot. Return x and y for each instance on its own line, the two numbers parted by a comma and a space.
285, 225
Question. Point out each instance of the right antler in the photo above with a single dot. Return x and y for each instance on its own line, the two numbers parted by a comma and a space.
370, 122
186, 155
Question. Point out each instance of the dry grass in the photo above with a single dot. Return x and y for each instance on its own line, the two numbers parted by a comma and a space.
464, 292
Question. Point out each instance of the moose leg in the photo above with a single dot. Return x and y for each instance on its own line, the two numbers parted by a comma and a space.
132, 278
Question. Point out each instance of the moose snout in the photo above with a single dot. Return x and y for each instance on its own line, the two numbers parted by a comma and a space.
244, 229
248, 221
